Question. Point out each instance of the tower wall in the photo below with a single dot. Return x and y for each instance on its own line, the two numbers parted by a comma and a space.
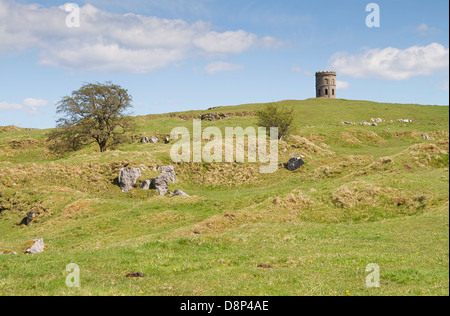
326, 84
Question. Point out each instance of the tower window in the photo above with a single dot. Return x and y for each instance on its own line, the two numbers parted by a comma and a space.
326, 81
333, 91
326, 91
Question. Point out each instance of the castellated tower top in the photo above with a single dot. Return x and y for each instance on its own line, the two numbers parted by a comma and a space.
326, 84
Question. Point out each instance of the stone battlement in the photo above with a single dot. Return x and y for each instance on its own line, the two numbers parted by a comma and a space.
325, 73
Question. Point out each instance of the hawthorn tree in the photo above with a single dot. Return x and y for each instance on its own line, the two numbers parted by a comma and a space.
274, 116
96, 113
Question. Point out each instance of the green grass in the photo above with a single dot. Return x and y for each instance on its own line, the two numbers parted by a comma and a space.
318, 228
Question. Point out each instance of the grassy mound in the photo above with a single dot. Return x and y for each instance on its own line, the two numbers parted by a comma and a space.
366, 194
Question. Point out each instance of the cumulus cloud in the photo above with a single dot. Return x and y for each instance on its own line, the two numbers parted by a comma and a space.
221, 66
392, 63
29, 105
110, 42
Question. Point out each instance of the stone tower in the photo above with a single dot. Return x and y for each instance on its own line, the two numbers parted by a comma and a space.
326, 84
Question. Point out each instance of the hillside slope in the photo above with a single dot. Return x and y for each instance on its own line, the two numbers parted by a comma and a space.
367, 194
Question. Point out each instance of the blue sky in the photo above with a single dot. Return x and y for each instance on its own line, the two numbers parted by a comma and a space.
176, 55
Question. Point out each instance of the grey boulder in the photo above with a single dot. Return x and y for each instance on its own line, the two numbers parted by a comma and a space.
295, 163
154, 140
146, 185
169, 171
37, 247
179, 193
160, 184
128, 178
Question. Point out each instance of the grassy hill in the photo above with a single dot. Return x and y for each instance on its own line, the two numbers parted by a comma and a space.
367, 194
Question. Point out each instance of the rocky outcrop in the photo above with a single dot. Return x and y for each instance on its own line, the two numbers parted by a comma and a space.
169, 171
154, 140
128, 178
160, 184
37, 247
145, 140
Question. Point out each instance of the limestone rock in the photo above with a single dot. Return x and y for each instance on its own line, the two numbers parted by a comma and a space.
154, 140
295, 163
128, 178
145, 140
179, 193
146, 185
160, 184
38, 247
170, 172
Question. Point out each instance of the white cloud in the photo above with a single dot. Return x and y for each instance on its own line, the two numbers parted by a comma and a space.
392, 63
342, 85
424, 30
220, 66
110, 42
29, 105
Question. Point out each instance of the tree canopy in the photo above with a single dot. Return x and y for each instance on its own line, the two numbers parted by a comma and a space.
96, 113
274, 116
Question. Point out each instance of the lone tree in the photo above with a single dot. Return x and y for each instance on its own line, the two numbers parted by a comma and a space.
96, 113
275, 116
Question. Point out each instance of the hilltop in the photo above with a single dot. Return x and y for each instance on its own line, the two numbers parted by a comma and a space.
367, 194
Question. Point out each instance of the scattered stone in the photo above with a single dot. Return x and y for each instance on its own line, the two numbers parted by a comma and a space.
377, 120
160, 184
37, 247
145, 140
426, 137
179, 193
154, 140
404, 121
30, 217
135, 275
265, 266
146, 185
167, 140
128, 178
170, 172
295, 163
